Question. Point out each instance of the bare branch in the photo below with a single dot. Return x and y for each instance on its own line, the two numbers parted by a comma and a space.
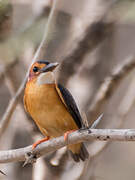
76, 137
96, 122
14, 101
94, 33
92, 37
109, 85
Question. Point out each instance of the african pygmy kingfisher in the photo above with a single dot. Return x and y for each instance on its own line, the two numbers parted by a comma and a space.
52, 107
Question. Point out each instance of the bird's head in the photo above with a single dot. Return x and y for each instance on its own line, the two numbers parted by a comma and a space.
41, 67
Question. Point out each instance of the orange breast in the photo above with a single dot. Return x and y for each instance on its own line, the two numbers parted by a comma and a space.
46, 108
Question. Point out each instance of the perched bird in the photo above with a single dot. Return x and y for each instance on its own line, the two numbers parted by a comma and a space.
52, 107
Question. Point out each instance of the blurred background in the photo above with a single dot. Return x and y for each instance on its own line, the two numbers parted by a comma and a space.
90, 39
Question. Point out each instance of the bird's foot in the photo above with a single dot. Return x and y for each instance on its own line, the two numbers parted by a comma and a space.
39, 142
67, 133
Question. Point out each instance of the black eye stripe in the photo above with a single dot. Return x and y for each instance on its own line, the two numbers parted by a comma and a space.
35, 69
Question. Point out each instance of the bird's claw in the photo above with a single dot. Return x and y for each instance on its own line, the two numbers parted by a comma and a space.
67, 133
39, 142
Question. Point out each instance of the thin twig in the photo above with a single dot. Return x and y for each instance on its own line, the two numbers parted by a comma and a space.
76, 137
109, 86
96, 122
14, 101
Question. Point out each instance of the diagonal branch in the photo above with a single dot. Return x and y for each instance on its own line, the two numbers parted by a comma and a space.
109, 85
93, 34
73, 138
14, 101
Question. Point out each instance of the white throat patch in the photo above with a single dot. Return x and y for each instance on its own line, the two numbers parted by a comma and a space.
46, 78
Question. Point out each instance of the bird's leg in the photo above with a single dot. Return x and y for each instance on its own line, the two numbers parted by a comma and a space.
67, 133
39, 142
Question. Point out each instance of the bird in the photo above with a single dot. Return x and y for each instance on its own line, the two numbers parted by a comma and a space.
52, 107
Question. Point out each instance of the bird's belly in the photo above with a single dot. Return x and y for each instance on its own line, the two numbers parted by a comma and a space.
49, 113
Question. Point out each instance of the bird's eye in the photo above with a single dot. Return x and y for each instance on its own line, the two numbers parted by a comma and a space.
35, 69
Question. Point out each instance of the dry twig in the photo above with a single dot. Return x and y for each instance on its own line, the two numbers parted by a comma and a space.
76, 137
90, 39
109, 85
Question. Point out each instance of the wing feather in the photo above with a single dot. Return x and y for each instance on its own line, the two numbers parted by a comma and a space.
70, 104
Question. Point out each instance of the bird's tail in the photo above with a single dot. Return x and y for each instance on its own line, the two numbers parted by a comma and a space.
78, 151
